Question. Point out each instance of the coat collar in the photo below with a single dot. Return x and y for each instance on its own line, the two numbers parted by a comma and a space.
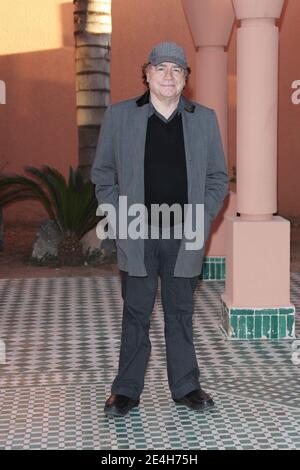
144, 99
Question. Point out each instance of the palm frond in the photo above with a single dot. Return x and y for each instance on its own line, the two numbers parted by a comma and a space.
22, 183
72, 204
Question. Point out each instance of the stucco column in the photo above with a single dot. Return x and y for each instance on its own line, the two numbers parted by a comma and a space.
256, 303
211, 23
257, 89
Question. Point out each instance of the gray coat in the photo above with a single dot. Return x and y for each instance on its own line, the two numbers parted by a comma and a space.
118, 169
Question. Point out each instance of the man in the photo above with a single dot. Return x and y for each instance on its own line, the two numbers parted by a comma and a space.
160, 148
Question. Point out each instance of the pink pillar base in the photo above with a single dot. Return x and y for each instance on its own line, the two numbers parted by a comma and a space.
257, 263
216, 243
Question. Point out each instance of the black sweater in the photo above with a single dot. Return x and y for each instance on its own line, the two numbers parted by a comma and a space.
165, 165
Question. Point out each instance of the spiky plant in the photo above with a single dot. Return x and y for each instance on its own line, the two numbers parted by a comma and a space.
72, 204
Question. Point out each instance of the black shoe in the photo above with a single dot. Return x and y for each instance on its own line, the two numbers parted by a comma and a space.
196, 400
119, 405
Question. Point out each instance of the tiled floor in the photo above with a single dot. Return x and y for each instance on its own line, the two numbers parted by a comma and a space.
62, 337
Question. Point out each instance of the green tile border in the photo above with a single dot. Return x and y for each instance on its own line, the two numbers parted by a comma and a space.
213, 268
258, 324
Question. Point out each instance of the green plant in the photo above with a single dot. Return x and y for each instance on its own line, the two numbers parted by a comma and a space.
97, 257
72, 204
46, 260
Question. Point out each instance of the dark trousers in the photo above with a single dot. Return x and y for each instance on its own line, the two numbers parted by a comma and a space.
177, 301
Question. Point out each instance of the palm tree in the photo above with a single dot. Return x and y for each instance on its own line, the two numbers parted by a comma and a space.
92, 32
72, 204
2, 101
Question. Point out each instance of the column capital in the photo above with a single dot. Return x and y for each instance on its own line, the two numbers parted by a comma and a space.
210, 21
257, 8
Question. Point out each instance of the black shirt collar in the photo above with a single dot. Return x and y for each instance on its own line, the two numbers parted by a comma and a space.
183, 102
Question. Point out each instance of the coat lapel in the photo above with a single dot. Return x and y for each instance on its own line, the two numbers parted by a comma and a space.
194, 143
138, 125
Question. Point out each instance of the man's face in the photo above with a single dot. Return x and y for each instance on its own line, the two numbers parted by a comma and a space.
166, 80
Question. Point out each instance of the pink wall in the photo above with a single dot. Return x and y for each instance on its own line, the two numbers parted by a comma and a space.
136, 26
139, 24
289, 114
38, 123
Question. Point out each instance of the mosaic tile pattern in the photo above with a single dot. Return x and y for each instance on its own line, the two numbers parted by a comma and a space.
213, 268
62, 340
250, 324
